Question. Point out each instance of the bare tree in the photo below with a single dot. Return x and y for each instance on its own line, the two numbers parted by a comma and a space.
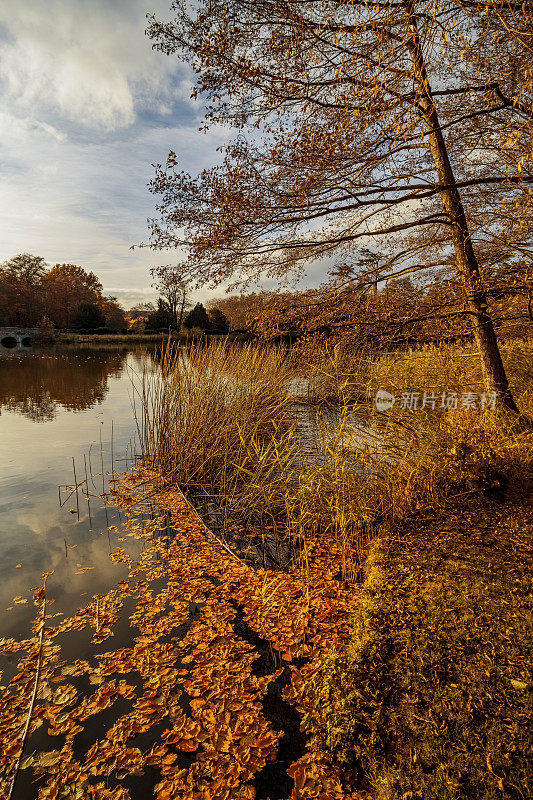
171, 286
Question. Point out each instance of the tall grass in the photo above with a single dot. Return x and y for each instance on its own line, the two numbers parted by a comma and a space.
201, 404
211, 415
346, 376
221, 422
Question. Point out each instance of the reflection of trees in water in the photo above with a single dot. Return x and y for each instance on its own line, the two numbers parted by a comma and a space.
36, 385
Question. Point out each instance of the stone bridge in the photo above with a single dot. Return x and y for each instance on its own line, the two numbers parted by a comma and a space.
17, 337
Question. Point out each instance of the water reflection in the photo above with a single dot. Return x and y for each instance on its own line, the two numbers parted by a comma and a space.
37, 384
60, 409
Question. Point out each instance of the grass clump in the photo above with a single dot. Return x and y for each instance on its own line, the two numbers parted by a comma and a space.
212, 415
202, 404
433, 697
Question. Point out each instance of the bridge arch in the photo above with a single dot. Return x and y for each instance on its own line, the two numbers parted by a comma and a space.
11, 337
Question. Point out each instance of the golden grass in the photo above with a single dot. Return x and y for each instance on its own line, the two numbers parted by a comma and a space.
219, 420
210, 418
346, 376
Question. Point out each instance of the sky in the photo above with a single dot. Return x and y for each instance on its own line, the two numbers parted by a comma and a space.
86, 108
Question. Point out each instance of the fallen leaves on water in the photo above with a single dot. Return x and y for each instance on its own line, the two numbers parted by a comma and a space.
186, 669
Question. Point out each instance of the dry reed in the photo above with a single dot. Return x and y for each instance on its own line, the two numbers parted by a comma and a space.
220, 421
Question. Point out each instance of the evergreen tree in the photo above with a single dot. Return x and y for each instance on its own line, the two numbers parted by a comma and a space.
219, 321
197, 318
161, 318
88, 316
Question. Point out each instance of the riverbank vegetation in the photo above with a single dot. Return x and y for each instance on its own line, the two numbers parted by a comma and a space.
350, 623
426, 507
391, 146
333, 598
253, 404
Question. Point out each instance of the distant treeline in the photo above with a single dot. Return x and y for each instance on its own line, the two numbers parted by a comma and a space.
65, 296
68, 297
382, 313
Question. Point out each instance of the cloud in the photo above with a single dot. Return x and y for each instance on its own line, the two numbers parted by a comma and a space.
57, 135
87, 60
86, 202
86, 107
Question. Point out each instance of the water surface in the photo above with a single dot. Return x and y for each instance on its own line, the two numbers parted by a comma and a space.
56, 407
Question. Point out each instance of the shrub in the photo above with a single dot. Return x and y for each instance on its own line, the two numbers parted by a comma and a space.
88, 316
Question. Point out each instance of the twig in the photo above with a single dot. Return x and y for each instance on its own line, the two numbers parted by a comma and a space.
34, 693
97, 614
112, 451
208, 530
76, 487
88, 492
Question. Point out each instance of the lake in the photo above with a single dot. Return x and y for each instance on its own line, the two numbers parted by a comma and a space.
71, 409
60, 409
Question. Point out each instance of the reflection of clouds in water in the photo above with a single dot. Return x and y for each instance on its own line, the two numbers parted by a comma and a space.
41, 550
35, 459
36, 385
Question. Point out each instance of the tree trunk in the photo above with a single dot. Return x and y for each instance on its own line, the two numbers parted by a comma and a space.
494, 375
182, 310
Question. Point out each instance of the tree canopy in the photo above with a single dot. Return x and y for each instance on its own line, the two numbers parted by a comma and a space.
31, 293
88, 316
197, 318
218, 321
70, 285
406, 123
170, 283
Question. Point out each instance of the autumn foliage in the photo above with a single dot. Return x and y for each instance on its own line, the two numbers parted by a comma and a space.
66, 295
404, 125
187, 672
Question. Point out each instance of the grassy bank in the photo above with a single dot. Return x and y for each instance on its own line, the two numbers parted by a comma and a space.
113, 338
428, 699
182, 337
432, 699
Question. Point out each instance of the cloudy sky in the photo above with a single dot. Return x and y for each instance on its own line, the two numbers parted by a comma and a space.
86, 107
